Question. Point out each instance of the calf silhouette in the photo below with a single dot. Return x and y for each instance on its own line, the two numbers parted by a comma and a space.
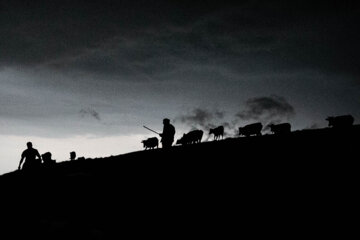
340, 121
191, 137
151, 143
280, 129
218, 132
251, 129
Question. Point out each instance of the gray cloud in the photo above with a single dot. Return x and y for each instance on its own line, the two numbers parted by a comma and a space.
196, 116
85, 112
202, 118
269, 109
160, 55
313, 126
205, 119
132, 40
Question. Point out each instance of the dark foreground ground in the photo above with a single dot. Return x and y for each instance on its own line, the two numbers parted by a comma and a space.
301, 185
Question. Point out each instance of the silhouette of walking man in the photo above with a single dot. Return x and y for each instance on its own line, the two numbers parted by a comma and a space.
30, 155
167, 136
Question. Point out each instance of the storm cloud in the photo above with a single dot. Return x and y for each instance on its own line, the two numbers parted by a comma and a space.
200, 118
148, 41
89, 112
269, 109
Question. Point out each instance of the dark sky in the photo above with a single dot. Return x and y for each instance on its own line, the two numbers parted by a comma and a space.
105, 68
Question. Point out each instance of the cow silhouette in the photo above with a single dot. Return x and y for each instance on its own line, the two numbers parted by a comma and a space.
218, 132
191, 137
341, 121
251, 129
151, 143
280, 129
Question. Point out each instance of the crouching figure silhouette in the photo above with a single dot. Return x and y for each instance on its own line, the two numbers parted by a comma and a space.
46, 157
29, 155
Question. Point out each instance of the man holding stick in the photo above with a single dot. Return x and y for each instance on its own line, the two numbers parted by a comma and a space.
167, 136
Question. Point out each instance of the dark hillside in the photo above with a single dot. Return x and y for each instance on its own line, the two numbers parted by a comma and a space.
268, 186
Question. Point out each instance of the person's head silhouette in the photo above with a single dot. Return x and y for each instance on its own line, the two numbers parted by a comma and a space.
166, 121
29, 145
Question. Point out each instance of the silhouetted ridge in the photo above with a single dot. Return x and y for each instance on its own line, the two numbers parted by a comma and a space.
201, 189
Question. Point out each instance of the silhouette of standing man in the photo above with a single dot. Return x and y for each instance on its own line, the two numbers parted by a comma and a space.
30, 155
167, 136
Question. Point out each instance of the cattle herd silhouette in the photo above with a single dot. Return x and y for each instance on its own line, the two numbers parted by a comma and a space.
253, 129
193, 137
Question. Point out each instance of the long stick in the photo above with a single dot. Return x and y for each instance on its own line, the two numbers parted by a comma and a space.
151, 130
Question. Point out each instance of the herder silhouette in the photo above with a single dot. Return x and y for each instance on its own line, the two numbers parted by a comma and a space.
30, 155
167, 136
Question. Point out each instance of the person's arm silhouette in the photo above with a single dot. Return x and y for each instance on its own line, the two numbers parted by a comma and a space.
38, 155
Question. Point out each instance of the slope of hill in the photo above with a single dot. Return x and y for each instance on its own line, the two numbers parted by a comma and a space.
256, 185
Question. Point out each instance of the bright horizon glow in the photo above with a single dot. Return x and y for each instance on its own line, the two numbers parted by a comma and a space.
87, 146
